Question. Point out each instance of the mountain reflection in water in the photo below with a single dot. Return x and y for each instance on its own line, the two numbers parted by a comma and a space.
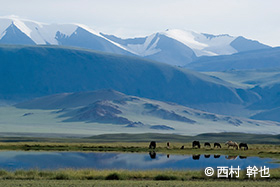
13, 160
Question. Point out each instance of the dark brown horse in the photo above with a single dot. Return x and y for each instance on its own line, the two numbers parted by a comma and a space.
217, 145
152, 145
196, 144
207, 144
244, 145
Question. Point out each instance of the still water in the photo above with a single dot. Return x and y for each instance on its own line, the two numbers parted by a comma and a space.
13, 160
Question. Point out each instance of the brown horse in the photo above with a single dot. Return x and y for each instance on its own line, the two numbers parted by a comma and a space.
232, 144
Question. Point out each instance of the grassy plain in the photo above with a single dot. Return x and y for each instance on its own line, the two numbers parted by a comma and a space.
86, 183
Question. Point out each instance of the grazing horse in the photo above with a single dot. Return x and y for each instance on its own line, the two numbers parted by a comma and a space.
196, 143
232, 144
244, 145
152, 145
217, 145
207, 144
168, 145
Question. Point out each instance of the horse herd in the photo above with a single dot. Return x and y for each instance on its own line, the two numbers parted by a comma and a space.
218, 145
196, 144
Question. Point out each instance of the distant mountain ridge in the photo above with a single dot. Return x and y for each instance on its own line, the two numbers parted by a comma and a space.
248, 60
175, 47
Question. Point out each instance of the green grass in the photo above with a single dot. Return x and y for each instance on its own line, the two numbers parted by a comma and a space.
208, 137
88, 183
149, 175
146, 137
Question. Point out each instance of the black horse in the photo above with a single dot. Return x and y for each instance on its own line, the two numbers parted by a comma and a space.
217, 145
152, 145
195, 157
196, 143
207, 144
244, 145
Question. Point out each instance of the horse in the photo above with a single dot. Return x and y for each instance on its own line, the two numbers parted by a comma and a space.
196, 143
217, 145
232, 144
167, 144
244, 145
152, 145
207, 144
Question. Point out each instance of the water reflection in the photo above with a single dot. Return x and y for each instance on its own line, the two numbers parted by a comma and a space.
195, 157
13, 160
206, 156
242, 157
230, 157
152, 154
217, 156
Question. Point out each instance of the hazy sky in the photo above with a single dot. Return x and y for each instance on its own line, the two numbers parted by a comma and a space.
254, 19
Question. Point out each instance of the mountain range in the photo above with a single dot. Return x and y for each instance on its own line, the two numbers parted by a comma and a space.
174, 46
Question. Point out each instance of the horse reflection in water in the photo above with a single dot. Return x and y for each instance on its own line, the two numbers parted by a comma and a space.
152, 154
231, 157
242, 157
195, 157
206, 156
217, 156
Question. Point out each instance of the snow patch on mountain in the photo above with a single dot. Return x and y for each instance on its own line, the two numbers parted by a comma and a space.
147, 48
203, 44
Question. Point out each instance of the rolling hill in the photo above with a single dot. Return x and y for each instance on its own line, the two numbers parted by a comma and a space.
109, 111
33, 71
250, 60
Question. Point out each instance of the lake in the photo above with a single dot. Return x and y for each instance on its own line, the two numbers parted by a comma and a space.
14, 160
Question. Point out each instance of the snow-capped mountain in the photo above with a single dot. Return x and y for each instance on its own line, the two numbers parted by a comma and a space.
14, 30
175, 47
179, 47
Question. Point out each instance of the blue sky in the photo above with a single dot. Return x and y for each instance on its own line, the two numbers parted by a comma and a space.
254, 19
